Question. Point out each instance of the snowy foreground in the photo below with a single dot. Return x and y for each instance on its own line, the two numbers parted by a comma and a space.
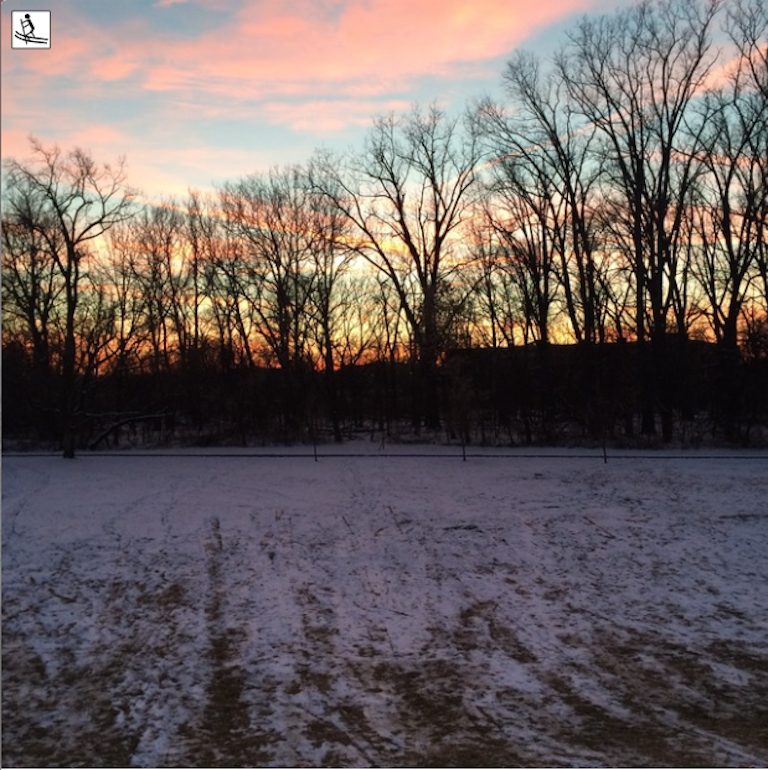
385, 610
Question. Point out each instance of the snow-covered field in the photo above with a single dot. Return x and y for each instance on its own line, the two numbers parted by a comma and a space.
385, 610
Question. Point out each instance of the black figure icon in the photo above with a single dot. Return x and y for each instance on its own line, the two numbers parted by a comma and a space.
27, 33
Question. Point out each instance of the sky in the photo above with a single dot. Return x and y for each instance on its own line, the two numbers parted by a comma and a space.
197, 92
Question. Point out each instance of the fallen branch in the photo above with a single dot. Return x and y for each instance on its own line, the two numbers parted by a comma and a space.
125, 421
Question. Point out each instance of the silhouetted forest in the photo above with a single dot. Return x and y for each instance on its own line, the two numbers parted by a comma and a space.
586, 262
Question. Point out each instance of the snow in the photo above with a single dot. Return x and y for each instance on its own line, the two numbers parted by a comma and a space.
398, 607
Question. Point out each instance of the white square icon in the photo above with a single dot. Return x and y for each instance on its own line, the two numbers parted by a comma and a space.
31, 29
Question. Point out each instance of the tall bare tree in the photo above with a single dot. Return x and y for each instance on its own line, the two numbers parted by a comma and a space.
634, 75
328, 301
220, 271
31, 287
270, 214
161, 275
731, 211
545, 135
747, 27
67, 202
407, 194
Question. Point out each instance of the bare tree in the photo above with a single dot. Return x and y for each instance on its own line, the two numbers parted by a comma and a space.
634, 76
68, 202
547, 137
31, 314
407, 195
328, 302
31, 286
525, 214
272, 218
220, 270
747, 27
270, 215
731, 210
161, 275
497, 306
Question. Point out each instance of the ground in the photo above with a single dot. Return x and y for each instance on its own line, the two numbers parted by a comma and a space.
371, 610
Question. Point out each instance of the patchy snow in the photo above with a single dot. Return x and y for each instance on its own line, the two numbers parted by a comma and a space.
408, 610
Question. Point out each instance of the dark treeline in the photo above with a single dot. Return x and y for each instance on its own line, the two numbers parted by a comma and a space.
587, 261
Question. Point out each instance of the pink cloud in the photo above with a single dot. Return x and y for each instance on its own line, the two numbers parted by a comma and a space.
307, 65
101, 138
276, 50
218, 4
172, 169
15, 144
61, 57
276, 46
317, 49
114, 68
89, 53
728, 69
328, 116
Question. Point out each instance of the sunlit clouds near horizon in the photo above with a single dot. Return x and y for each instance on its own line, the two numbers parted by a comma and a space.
194, 93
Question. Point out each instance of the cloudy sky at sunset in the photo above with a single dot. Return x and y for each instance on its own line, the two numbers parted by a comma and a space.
195, 92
